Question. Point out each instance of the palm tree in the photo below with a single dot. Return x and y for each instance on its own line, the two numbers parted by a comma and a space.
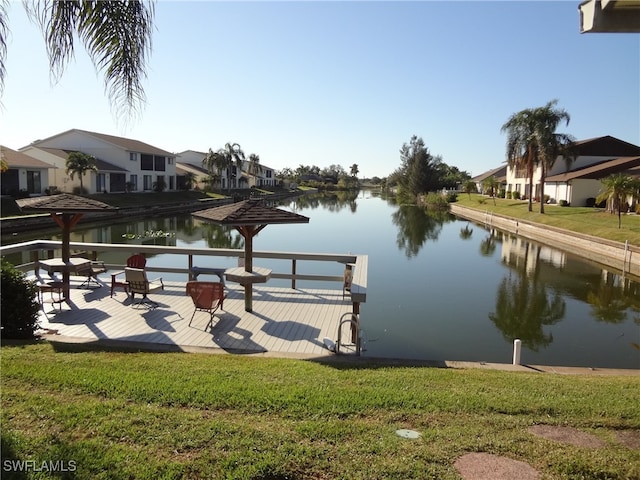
354, 170
225, 157
254, 168
532, 141
616, 188
79, 163
116, 34
470, 187
551, 145
491, 185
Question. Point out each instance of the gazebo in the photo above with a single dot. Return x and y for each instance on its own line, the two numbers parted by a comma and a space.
66, 210
248, 217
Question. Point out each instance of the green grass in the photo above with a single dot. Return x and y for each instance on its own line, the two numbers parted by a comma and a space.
590, 221
151, 415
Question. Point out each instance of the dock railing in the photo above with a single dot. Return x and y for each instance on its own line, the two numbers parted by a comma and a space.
43, 249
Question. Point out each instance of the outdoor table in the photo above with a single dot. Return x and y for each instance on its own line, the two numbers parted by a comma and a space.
52, 265
241, 276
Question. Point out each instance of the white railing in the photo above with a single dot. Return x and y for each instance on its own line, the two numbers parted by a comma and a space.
42, 249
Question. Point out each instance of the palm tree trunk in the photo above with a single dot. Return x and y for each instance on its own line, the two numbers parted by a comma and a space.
542, 175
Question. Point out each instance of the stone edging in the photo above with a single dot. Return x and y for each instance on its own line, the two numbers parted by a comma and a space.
605, 252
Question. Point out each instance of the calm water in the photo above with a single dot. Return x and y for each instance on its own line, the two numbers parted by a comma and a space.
440, 288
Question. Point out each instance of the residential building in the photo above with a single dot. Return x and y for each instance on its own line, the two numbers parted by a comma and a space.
25, 175
588, 153
123, 164
499, 173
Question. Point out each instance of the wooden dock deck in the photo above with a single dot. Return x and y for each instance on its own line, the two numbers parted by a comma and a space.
284, 321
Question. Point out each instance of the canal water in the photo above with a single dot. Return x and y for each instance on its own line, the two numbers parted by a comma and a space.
439, 287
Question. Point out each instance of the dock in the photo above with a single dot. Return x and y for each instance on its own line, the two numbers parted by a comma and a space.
284, 321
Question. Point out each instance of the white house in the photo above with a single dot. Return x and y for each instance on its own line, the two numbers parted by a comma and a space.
123, 164
588, 153
24, 174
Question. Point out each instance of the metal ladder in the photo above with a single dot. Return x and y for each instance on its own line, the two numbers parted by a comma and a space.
354, 321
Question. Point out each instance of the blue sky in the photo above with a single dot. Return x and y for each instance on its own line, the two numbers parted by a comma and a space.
320, 83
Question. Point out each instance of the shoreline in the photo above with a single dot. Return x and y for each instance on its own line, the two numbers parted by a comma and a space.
616, 255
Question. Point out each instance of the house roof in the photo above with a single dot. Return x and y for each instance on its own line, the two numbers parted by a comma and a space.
102, 165
606, 146
127, 144
189, 167
17, 159
500, 173
630, 165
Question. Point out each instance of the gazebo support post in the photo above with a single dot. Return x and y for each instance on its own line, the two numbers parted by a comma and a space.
66, 221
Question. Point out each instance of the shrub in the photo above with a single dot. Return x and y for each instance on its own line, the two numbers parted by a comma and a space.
80, 191
18, 304
508, 195
516, 195
436, 200
591, 202
546, 198
452, 197
502, 193
563, 203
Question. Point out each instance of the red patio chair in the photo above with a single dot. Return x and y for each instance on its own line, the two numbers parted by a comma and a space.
207, 297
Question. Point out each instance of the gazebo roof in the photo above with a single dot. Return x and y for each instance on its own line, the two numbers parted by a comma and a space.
63, 203
249, 212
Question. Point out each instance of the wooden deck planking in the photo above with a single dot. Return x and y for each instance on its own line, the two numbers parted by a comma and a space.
284, 320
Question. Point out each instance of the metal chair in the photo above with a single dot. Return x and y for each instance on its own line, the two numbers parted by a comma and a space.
207, 297
91, 271
134, 261
138, 283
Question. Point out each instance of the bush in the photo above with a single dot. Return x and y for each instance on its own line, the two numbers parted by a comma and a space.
591, 202
18, 304
563, 203
546, 198
436, 200
452, 197
502, 193
515, 195
508, 195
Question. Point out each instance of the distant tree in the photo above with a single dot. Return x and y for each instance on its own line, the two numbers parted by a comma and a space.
616, 188
532, 141
354, 170
189, 180
491, 186
116, 35
469, 187
79, 163
417, 172
254, 168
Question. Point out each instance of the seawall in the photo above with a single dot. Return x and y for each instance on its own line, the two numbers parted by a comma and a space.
617, 255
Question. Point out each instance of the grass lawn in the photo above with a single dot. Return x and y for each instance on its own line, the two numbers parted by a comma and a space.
590, 221
152, 415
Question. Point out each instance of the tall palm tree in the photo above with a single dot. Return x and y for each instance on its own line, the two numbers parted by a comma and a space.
116, 34
79, 163
551, 145
616, 188
491, 185
354, 170
254, 168
532, 141
223, 158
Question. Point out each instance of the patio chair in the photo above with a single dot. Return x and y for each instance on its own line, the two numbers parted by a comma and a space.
138, 283
134, 261
207, 297
91, 271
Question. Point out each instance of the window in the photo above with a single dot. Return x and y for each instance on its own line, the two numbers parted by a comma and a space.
146, 180
170, 160
172, 183
159, 163
133, 156
146, 162
269, 172
133, 181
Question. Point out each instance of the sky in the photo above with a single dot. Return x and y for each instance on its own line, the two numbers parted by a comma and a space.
322, 83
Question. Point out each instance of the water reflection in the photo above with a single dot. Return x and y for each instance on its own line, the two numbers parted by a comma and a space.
332, 201
417, 225
466, 232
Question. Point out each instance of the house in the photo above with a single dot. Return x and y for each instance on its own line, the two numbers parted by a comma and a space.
589, 152
191, 161
123, 164
24, 175
500, 174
